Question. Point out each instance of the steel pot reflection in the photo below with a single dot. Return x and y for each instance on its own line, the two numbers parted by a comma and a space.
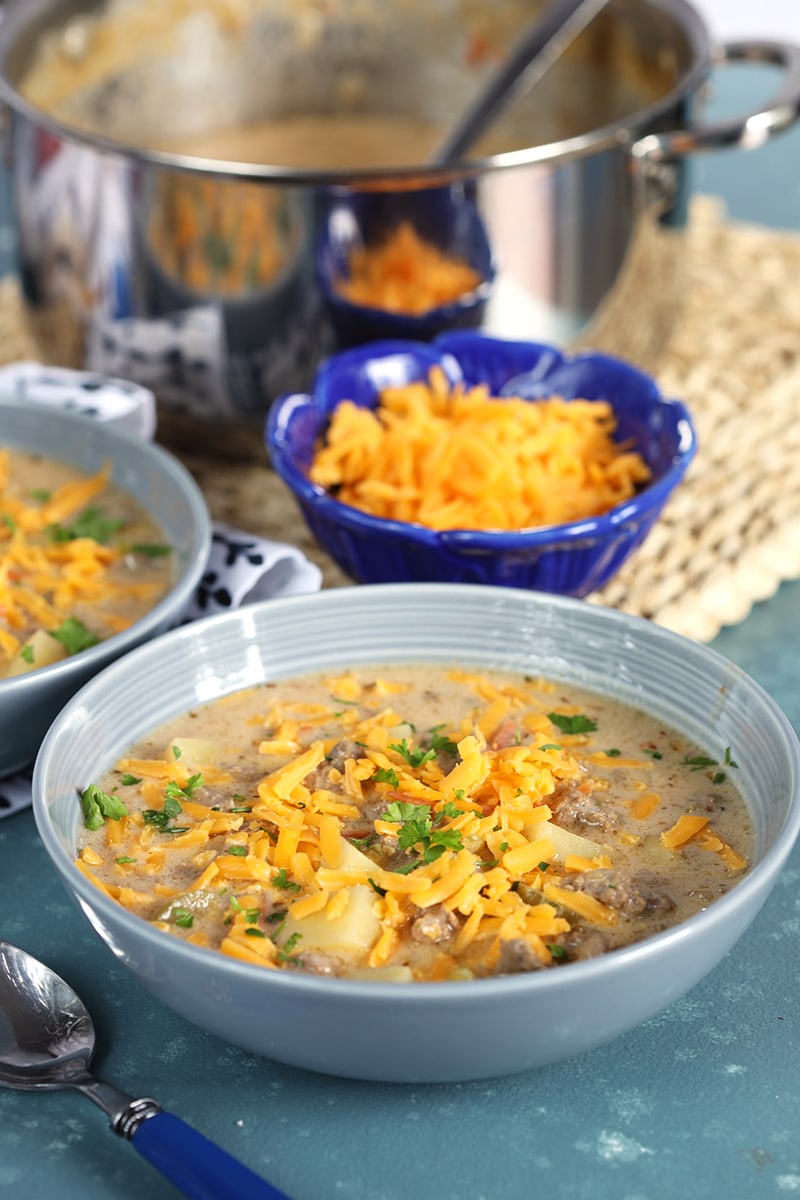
584, 223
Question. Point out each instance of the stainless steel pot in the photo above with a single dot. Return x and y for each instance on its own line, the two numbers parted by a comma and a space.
580, 202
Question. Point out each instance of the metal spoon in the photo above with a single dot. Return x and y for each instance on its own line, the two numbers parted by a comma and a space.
538, 48
47, 1041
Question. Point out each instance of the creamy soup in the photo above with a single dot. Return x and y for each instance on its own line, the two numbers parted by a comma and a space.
316, 141
415, 823
80, 560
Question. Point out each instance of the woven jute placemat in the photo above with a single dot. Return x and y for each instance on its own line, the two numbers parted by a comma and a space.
731, 534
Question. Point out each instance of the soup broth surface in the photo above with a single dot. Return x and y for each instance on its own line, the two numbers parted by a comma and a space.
319, 142
415, 823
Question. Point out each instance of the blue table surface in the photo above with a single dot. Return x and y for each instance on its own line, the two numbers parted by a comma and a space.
702, 1101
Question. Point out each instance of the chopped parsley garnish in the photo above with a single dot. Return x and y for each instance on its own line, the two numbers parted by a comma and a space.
281, 880
129, 780
237, 851
380, 891
183, 917
98, 807
612, 753
698, 761
550, 746
40, 494
414, 758
150, 549
286, 954
386, 775
173, 794
125, 858
362, 843
418, 828
252, 932
174, 791
74, 636
160, 818
26, 654
579, 723
172, 805
92, 523
558, 952
653, 753
176, 751
413, 818
441, 744
9, 522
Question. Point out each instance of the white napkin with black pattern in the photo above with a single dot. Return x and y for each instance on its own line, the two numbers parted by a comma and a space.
115, 400
241, 568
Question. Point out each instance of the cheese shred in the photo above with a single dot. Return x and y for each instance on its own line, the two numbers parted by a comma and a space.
454, 457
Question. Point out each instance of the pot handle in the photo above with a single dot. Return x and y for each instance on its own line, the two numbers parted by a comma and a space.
747, 131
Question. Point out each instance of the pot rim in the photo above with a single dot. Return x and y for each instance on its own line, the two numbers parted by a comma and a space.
624, 132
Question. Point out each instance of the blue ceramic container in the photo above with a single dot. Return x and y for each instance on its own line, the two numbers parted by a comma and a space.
572, 559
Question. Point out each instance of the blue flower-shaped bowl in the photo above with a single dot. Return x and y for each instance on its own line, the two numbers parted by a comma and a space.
572, 559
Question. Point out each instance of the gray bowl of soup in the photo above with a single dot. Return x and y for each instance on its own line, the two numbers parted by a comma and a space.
103, 540
419, 832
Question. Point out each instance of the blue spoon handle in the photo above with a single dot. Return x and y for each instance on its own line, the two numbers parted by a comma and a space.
196, 1166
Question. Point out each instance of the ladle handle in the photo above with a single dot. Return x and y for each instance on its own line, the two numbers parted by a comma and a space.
532, 57
196, 1166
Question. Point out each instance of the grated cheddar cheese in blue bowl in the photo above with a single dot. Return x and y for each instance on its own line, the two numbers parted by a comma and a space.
475, 459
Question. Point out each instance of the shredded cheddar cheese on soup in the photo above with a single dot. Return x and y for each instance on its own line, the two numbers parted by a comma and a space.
420, 825
452, 457
79, 561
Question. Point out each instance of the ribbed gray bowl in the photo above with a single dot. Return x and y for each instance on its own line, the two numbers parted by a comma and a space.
28, 703
427, 1032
